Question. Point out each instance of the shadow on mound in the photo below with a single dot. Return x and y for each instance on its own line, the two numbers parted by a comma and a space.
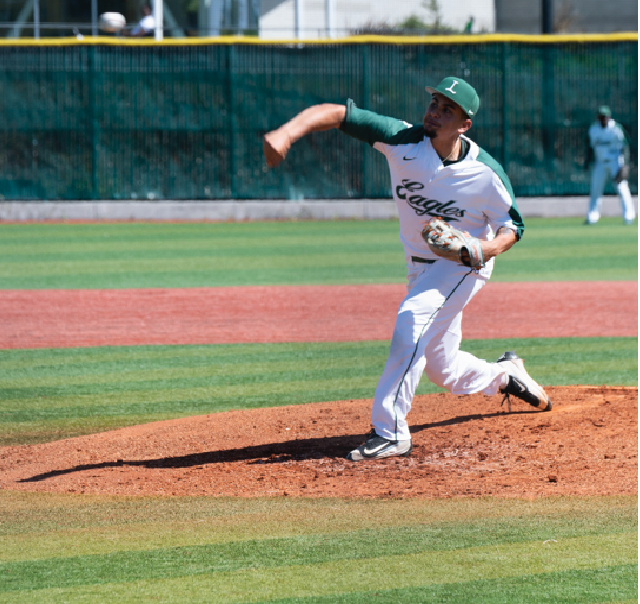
272, 453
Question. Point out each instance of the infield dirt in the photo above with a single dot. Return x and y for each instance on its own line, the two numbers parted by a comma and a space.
343, 313
463, 446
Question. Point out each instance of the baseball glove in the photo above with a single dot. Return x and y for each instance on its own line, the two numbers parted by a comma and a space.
450, 243
623, 174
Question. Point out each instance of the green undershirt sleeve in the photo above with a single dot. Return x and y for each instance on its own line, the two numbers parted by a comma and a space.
369, 127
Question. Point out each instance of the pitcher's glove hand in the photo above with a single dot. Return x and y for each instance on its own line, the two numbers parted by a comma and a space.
450, 243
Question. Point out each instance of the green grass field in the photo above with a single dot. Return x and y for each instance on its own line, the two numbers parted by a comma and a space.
87, 549
51, 394
140, 255
74, 549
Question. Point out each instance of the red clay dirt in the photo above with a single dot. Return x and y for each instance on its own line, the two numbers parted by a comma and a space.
463, 446
70, 318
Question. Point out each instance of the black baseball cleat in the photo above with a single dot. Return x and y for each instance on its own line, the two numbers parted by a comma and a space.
521, 384
377, 447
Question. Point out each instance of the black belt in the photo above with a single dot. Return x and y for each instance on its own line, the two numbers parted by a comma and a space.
422, 260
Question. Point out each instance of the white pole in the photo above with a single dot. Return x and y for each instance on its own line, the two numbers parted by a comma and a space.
243, 16
36, 20
94, 17
329, 11
210, 17
157, 17
25, 13
298, 17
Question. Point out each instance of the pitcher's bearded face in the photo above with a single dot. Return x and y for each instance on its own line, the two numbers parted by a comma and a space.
444, 118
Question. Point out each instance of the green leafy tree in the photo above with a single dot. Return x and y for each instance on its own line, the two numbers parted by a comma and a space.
433, 26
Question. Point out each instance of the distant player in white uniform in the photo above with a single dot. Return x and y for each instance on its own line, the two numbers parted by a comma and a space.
147, 23
608, 143
436, 171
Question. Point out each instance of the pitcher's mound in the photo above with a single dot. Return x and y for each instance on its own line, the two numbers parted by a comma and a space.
463, 446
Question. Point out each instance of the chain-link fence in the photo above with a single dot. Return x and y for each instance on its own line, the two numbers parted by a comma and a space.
184, 120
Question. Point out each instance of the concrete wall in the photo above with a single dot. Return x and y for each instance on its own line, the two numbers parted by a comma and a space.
271, 210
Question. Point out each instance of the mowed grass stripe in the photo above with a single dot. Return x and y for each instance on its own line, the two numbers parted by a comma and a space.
220, 519
217, 384
265, 260
218, 267
187, 247
345, 576
120, 357
186, 278
135, 255
190, 235
40, 526
141, 563
222, 373
79, 391
179, 399
179, 402
216, 542
571, 587
352, 275
75, 368
296, 548
191, 255
21, 366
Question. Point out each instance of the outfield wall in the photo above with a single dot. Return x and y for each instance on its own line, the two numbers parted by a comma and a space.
117, 119
546, 207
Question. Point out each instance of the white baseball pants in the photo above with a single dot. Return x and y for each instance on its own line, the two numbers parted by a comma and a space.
601, 174
427, 338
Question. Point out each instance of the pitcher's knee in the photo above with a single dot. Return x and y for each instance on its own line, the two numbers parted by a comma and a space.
440, 373
442, 380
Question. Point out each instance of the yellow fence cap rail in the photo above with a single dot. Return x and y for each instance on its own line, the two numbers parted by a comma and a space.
368, 39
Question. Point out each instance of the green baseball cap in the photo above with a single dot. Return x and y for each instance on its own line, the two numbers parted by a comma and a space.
604, 110
459, 92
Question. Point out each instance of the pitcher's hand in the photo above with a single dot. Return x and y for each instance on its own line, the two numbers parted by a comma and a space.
275, 146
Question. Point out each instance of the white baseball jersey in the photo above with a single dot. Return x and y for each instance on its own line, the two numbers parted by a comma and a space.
147, 24
473, 194
608, 144
611, 150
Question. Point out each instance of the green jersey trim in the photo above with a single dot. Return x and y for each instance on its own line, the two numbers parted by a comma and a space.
514, 212
372, 128
369, 127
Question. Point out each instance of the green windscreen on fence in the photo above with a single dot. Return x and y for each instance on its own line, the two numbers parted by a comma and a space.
123, 121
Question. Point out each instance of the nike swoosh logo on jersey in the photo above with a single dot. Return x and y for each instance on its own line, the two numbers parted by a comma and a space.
408, 158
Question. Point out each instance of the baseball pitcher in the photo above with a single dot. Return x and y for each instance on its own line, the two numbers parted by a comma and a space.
457, 213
